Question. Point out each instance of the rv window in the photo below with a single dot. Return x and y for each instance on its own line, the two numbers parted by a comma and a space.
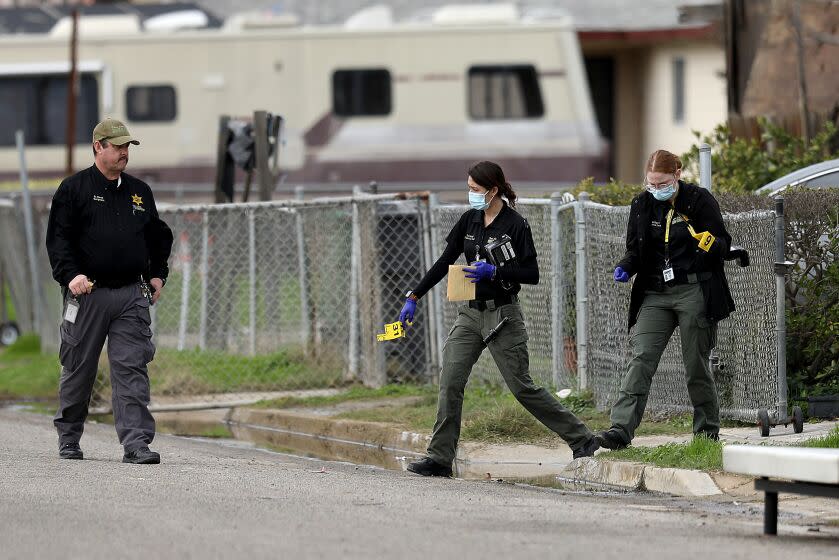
38, 106
358, 93
504, 92
150, 103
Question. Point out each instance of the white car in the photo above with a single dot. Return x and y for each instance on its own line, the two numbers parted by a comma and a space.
818, 175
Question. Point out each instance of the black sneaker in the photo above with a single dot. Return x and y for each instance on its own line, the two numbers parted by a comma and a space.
141, 456
611, 439
713, 436
587, 449
429, 467
70, 451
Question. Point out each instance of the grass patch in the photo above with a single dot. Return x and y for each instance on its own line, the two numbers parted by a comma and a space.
831, 440
11, 314
216, 432
492, 415
701, 453
196, 372
25, 373
354, 393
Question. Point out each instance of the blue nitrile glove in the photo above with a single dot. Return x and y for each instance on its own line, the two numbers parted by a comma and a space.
621, 275
480, 272
408, 310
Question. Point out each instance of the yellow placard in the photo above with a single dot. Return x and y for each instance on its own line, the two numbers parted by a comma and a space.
459, 288
706, 239
392, 331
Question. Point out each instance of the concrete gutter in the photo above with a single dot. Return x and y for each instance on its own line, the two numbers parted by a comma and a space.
382, 444
589, 472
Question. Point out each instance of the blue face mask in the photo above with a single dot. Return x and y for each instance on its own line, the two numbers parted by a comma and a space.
663, 194
478, 201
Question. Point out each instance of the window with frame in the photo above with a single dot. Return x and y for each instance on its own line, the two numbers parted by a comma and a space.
151, 103
37, 105
504, 92
361, 92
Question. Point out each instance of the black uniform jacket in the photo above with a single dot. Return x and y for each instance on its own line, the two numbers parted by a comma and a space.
700, 207
469, 237
112, 234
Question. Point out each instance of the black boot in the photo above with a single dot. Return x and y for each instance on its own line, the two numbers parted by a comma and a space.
429, 467
141, 456
70, 451
587, 449
611, 439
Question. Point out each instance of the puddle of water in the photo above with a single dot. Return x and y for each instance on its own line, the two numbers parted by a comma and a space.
215, 424
331, 449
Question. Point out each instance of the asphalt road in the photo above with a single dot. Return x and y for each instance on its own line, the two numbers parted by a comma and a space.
220, 500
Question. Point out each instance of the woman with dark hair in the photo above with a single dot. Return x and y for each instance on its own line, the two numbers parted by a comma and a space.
675, 245
492, 220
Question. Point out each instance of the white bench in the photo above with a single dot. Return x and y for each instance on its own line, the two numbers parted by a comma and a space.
801, 470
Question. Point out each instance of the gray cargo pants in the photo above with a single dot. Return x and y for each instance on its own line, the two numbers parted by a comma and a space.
682, 305
509, 350
121, 315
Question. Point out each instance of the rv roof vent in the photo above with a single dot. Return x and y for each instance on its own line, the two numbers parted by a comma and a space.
371, 17
97, 26
254, 21
475, 14
176, 21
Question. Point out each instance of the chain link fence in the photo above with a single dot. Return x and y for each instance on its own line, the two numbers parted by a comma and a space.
289, 295
746, 357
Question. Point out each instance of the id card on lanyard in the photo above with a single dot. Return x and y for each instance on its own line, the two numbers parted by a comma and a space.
668, 270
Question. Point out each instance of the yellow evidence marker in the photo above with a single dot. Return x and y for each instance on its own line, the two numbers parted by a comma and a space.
392, 332
706, 239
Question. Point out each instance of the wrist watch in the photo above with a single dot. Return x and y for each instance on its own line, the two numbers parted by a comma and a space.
411, 295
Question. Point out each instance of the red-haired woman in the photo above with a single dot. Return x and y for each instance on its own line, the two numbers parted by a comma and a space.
675, 244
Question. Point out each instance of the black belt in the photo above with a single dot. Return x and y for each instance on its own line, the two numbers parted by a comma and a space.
679, 277
492, 304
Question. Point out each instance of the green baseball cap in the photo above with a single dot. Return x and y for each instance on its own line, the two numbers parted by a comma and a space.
114, 132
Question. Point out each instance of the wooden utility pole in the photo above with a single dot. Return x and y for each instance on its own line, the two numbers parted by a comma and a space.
266, 140
72, 93
803, 108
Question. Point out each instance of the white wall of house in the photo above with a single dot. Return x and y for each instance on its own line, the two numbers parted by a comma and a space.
704, 100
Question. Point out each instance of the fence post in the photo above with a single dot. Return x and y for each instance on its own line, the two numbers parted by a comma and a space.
252, 280
705, 166
424, 218
355, 257
556, 290
780, 317
436, 304
30, 233
582, 292
205, 273
185, 256
299, 194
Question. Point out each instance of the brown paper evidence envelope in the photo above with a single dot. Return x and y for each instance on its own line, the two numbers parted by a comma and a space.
460, 288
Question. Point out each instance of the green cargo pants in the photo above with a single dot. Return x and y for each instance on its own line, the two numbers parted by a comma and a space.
509, 350
661, 312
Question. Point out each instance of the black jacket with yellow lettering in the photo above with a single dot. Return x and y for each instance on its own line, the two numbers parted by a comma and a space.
700, 207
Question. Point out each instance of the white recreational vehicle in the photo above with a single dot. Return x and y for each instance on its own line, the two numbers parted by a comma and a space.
371, 99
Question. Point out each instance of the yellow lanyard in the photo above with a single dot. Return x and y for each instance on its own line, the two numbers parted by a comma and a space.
667, 228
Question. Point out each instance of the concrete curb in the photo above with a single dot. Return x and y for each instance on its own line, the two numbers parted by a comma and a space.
589, 472
381, 443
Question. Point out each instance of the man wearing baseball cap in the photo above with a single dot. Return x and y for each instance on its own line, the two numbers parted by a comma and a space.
109, 250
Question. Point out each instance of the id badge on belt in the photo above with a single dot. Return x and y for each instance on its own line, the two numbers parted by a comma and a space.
72, 310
